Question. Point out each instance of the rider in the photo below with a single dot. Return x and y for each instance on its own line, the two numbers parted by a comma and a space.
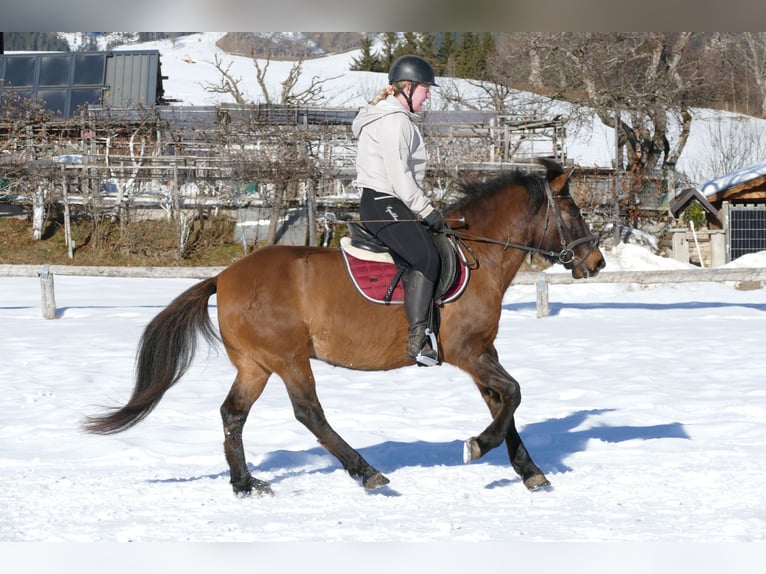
390, 164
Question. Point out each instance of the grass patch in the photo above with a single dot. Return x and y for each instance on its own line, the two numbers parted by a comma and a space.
140, 243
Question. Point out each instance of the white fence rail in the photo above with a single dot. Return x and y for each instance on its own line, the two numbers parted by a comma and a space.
703, 275
542, 280
46, 273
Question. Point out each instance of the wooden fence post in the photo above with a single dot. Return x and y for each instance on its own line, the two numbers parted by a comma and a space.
48, 295
543, 309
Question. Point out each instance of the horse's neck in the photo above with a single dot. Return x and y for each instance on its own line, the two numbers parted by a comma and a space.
503, 262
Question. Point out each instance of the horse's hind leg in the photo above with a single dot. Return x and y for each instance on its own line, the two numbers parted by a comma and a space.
301, 388
502, 394
246, 389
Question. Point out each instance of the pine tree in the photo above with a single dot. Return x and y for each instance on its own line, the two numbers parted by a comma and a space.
468, 56
487, 51
390, 43
427, 48
35, 41
368, 61
409, 45
446, 55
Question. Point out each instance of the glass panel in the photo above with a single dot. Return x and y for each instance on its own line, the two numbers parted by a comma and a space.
82, 96
54, 70
55, 100
19, 71
89, 69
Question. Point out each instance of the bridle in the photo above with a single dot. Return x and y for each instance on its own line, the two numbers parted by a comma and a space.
566, 256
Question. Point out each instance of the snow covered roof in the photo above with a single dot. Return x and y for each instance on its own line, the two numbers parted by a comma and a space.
723, 183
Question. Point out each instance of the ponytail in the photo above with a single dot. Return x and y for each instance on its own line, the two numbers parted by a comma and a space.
389, 90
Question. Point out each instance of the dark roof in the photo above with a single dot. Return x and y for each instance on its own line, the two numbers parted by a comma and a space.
686, 196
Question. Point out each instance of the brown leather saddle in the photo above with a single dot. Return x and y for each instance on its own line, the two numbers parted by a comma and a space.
377, 275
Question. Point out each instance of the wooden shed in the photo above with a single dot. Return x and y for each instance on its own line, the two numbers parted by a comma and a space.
735, 206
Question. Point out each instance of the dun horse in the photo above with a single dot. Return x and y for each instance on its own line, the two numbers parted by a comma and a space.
283, 305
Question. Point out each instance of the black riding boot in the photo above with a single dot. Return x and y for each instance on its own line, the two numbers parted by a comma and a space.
418, 304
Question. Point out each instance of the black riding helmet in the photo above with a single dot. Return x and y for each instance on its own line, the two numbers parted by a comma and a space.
410, 68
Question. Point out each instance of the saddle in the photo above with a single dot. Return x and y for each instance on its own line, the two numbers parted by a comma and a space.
377, 273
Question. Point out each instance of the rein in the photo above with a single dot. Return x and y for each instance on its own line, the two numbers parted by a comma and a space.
565, 256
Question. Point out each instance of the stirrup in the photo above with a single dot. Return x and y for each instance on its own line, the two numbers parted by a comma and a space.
425, 360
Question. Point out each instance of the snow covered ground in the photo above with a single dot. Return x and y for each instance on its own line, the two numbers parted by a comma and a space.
645, 406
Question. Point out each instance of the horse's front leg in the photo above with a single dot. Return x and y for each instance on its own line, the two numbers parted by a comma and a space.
502, 393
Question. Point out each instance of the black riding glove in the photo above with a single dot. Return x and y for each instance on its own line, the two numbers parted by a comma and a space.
435, 220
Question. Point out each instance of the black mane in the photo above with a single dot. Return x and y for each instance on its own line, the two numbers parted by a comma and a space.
474, 189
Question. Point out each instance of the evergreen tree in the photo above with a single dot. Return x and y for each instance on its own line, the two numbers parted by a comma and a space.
390, 43
409, 45
368, 61
487, 51
427, 48
446, 54
468, 59
35, 41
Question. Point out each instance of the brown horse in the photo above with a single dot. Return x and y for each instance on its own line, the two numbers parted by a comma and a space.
283, 305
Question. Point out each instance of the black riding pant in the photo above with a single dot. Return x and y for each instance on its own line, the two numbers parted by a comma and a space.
394, 224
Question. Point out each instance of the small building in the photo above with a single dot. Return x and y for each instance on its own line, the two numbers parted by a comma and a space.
735, 207
66, 81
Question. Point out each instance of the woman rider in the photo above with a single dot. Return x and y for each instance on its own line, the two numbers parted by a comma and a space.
390, 164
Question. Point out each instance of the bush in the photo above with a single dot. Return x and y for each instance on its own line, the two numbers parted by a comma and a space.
695, 213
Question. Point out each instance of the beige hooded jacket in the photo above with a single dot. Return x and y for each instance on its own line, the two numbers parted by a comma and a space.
391, 157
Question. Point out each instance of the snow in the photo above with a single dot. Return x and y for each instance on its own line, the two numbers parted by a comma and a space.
188, 63
645, 407
734, 178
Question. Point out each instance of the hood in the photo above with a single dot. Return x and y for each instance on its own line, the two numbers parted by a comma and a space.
369, 114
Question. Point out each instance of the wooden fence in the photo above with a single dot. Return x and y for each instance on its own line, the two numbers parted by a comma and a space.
46, 273
703, 275
754, 276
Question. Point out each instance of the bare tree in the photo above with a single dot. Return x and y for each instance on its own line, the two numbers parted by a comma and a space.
227, 82
633, 81
750, 48
726, 146
283, 155
312, 95
24, 155
290, 95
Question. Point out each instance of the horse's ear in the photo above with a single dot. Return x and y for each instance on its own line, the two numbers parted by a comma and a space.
559, 182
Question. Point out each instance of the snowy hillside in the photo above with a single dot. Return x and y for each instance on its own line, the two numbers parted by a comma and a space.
188, 63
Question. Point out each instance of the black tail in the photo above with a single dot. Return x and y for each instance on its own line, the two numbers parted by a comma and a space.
165, 353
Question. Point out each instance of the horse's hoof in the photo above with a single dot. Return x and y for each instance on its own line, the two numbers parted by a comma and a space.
261, 487
471, 450
537, 482
375, 481
253, 486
